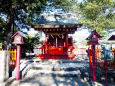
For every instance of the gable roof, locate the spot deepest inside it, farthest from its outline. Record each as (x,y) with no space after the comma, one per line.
(94,33)
(112,37)
(20,33)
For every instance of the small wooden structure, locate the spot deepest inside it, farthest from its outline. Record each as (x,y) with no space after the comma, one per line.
(93,41)
(94,38)
(57,43)
(18,40)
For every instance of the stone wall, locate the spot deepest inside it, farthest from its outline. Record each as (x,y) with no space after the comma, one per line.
(4,65)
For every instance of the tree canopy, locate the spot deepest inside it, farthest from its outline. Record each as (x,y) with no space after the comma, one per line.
(98,14)
(19,11)
(22,13)
(94,14)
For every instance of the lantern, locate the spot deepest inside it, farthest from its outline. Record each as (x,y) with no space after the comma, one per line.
(94,38)
(18,39)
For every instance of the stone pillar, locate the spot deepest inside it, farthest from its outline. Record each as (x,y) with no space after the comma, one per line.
(4,66)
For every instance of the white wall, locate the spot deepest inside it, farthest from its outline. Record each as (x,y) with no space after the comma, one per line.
(4,65)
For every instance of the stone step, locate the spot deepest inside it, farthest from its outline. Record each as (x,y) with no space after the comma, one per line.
(57,61)
(50,70)
(33,72)
(54,67)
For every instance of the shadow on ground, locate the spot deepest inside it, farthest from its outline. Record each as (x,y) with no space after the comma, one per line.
(53,81)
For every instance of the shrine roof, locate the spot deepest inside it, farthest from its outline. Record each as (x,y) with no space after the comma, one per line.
(20,33)
(57,21)
(112,37)
(57,26)
(92,33)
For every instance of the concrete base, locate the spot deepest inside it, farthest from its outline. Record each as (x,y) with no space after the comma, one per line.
(2,84)
(7,82)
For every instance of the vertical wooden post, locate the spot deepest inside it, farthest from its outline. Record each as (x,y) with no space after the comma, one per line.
(46,47)
(101,65)
(15,57)
(56,43)
(106,73)
(42,47)
(18,62)
(12,53)
(89,50)
(94,65)
(66,43)
(72,49)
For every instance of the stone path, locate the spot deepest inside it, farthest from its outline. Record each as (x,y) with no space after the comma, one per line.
(36,72)
(50,81)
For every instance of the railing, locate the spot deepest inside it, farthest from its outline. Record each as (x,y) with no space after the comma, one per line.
(12,56)
(45,49)
(81,52)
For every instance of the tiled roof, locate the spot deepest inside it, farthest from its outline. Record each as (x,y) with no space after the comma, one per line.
(58,19)
(112,37)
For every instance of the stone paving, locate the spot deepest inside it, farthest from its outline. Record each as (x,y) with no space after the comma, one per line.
(36,72)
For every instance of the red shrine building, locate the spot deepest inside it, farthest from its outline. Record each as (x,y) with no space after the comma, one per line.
(57,27)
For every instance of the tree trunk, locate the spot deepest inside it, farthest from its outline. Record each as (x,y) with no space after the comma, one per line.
(7,33)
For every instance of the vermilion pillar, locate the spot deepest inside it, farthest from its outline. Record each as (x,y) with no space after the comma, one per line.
(66,43)
(94,64)
(42,47)
(18,62)
(46,47)
(106,73)
(89,51)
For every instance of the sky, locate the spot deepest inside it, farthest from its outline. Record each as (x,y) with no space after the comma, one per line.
(81,35)
(78,36)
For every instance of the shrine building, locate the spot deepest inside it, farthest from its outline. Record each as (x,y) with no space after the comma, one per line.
(57,27)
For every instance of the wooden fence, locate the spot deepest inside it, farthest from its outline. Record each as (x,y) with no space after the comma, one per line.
(12,56)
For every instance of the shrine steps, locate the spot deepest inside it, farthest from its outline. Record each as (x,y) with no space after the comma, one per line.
(50,67)
(60,56)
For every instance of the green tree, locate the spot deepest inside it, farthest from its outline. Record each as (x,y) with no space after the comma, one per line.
(30,42)
(65,5)
(2,25)
(22,11)
(25,12)
(97,15)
